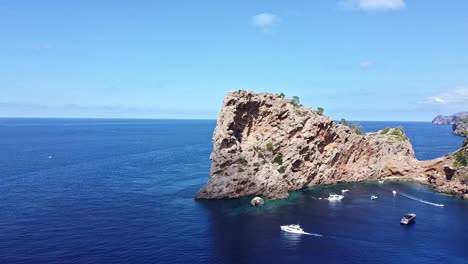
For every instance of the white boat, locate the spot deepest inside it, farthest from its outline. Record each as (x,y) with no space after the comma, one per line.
(394,192)
(345,190)
(373,197)
(407,219)
(296,229)
(381,181)
(334,197)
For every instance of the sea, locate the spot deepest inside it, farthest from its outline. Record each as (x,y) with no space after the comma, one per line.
(122,191)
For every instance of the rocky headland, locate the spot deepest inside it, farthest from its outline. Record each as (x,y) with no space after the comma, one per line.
(449,120)
(267,145)
(458,121)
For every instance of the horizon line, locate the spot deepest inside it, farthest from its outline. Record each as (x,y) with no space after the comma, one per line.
(179,118)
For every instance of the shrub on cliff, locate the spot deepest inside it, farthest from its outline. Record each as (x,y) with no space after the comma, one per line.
(357,128)
(320,110)
(242,161)
(385,131)
(344,122)
(269,146)
(354,126)
(281,169)
(278,159)
(461,158)
(296,101)
(399,132)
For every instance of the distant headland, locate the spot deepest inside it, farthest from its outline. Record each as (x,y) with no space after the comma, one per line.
(459,122)
(265,144)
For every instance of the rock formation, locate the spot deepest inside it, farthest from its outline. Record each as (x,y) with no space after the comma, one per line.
(449,120)
(267,145)
(257,201)
(460,128)
(458,121)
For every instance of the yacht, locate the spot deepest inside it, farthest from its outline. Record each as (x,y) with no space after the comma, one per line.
(334,197)
(408,219)
(293,229)
(373,197)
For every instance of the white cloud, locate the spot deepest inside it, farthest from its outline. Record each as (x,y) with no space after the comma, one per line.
(457,96)
(370,5)
(437,100)
(265,21)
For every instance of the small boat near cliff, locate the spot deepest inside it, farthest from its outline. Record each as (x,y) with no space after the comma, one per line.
(296,229)
(408,219)
(373,197)
(334,197)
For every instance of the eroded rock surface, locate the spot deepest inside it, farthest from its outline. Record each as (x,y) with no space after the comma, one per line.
(263,144)
(460,128)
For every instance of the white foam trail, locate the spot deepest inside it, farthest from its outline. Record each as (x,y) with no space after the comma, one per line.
(312,234)
(421,200)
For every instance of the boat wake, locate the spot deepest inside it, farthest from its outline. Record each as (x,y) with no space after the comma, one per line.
(420,200)
(313,234)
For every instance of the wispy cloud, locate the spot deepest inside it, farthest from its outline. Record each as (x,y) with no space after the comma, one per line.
(372,5)
(455,97)
(265,21)
(366,64)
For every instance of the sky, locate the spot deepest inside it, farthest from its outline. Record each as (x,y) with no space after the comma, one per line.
(402,60)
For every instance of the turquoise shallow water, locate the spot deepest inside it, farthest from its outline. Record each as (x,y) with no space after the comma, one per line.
(121,191)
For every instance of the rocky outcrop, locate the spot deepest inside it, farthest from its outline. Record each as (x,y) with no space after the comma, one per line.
(448,174)
(257,201)
(460,128)
(449,120)
(267,145)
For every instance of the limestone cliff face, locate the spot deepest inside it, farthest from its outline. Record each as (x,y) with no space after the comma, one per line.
(448,174)
(265,145)
(460,128)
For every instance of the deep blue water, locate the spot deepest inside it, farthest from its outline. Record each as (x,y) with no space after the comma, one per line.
(121,191)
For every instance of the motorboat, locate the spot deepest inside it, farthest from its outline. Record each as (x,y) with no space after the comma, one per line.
(408,219)
(394,192)
(381,181)
(334,197)
(373,197)
(296,229)
(345,190)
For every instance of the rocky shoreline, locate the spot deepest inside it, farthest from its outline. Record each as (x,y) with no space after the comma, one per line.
(267,145)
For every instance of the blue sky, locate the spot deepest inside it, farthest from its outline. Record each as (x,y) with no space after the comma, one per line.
(359,59)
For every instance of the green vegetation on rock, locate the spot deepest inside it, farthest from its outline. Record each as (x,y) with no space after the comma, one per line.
(354,126)
(461,158)
(320,110)
(296,101)
(385,131)
(344,122)
(278,159)
(399,133)
(281,169)
(242,161)
(269,146)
